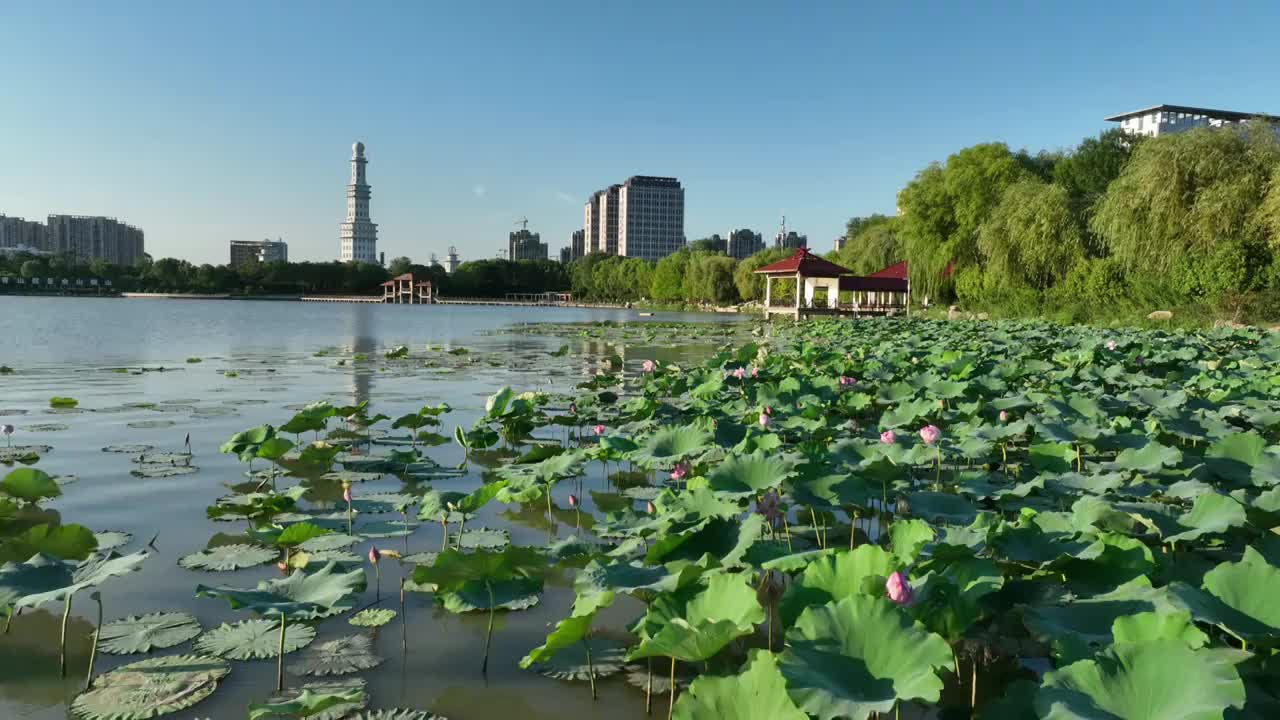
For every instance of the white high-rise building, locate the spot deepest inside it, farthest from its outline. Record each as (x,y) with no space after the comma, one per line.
(359,236)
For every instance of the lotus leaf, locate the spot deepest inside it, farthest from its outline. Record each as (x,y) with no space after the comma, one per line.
(150,688)
(372,617)
(319,700)
(144,633)
(306,596)
(254,639)
(228,557)
(860,571)
(29,484)
(758,693)
(342,656)
(752,473)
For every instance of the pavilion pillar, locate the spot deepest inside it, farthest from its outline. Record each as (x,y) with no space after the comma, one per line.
(799,288)
(768,293)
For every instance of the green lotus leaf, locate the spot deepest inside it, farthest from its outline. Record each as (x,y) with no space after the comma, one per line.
(942,508)
(1210,514)
(567,632)
(1076,629)
(512,594)
(1052,457)
(1249,586)
(328,699)
(698,622)
(859,656)
(29,484)
(144,633)
(150,688)
(129,449)
(43,579)
(394,714)
(298,533)
(228,557)
(860,571)
(383,502)
(1150,458)
(752,473)
(908,538)
(693,506)
(328,542)
(1234,457)
(253,639)
(1160,678)
(608,658)
(342,656)
(302,595)
(669,446)
(372,617)
(163,471)
(719,542)
(630,578)
(483,539)
(163,458)
(436,506)
(453,568)
(757,693)
(1148,626)
(63,402)
(66,542)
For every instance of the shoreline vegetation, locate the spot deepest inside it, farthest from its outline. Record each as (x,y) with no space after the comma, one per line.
(1108,232)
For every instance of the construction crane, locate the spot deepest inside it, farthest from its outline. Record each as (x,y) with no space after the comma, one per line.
(523,223)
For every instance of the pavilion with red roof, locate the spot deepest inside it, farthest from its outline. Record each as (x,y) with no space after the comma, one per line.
(820,283)
(403,289)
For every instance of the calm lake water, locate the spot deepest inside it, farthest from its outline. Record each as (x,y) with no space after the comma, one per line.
(284,355)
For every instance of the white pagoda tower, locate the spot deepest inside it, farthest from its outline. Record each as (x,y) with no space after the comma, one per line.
(359,236)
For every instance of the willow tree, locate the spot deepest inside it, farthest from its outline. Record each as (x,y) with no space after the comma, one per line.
(1181,196)
(750,285)
(873,247)
(1032,238)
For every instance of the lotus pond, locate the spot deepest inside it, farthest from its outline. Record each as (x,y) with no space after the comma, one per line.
(886,518)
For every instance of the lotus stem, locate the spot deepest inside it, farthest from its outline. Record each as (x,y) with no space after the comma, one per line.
(814,517)
(405,513)
(973,689)
(786,528)
(404,622)
(377,584)
(648,688)
(280,660)
(488,636)
(671,705)
(93,651)
(9,622)
(349,514)
(62,654)
(591,668)
(444,544)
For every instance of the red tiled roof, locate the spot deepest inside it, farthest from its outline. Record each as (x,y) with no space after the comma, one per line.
(874,283)
(806,264)
(899,271)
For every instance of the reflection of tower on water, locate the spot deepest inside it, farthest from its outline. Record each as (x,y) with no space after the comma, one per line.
(362,342)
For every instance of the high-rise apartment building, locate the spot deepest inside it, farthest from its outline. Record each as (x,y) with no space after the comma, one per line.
(591,223)
(358,235)
(791,240)
(577,244)
(525,245)
(651,217)
(257,252)
(94,238)
(744,243)
(566,255)
(16,232)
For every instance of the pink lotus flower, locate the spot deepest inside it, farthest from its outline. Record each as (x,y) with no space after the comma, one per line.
(346,492)
(930,434)
(740,373)
(1111,344)
(648,366)
(765,420)
(899,589)
(282,566)
(599,429)
(573,500)
(374,555)
(846,381)
(680,471)
(649,508)
(888,437)
(755,371)
(1004,416)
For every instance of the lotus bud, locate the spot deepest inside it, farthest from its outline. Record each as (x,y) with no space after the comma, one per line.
(930,434)
(888,437)
(599,429)
(846,381)
(282,566)
(374,555)
(899,589)
(765,420)
(346,492)
(648,366)
(1004,416)
(1111,344)
(755,371)
(649,508)
(573,500)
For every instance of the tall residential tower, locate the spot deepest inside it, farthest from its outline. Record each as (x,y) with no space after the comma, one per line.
(643,217)
(359,236)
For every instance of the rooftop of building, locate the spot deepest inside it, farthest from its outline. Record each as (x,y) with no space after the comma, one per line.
(652,181)
(1209,112)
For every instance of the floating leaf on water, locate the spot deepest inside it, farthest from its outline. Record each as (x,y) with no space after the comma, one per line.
(422,558)
(342,656)
(112,539)
(163,471)
(228,557)
(29,484)
(23,453)
(163,458)
(144,633)
(310,596)
(63,402)
(386,529)
(254,639)
(395,714)
(483,539)
(372,617)
(383,502)
(332,699)
(129,449)
(150,688)
(351,476)
(46,427)
(570,663)
(332,541)
(148,424)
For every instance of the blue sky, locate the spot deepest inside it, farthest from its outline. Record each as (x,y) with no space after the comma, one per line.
(206,122)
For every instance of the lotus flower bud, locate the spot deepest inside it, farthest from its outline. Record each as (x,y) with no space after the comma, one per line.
(599,429)
(374,555)
(888,437)
(573,408)
(573,500)
(899,589)
(1111,344)
(346,492)
(649,508)
(765,420)
(1004,416)
(740,373)
(648,366)
(930,434)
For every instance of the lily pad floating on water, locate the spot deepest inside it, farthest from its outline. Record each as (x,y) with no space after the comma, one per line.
(332,541)
(395,714)
(163,458)
(351,476)
(228,557)
(163,471)
(322,700)
(483,539)
(148,424)
(144,633)
(112,539)
(372,617)
(23,453)
(570,662)
(254,639)
(150,688)
(63,402)
(129,449)
(47,427)
(342,656)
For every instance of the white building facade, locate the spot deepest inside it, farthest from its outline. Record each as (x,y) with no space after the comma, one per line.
(1163,119)
(358,235)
